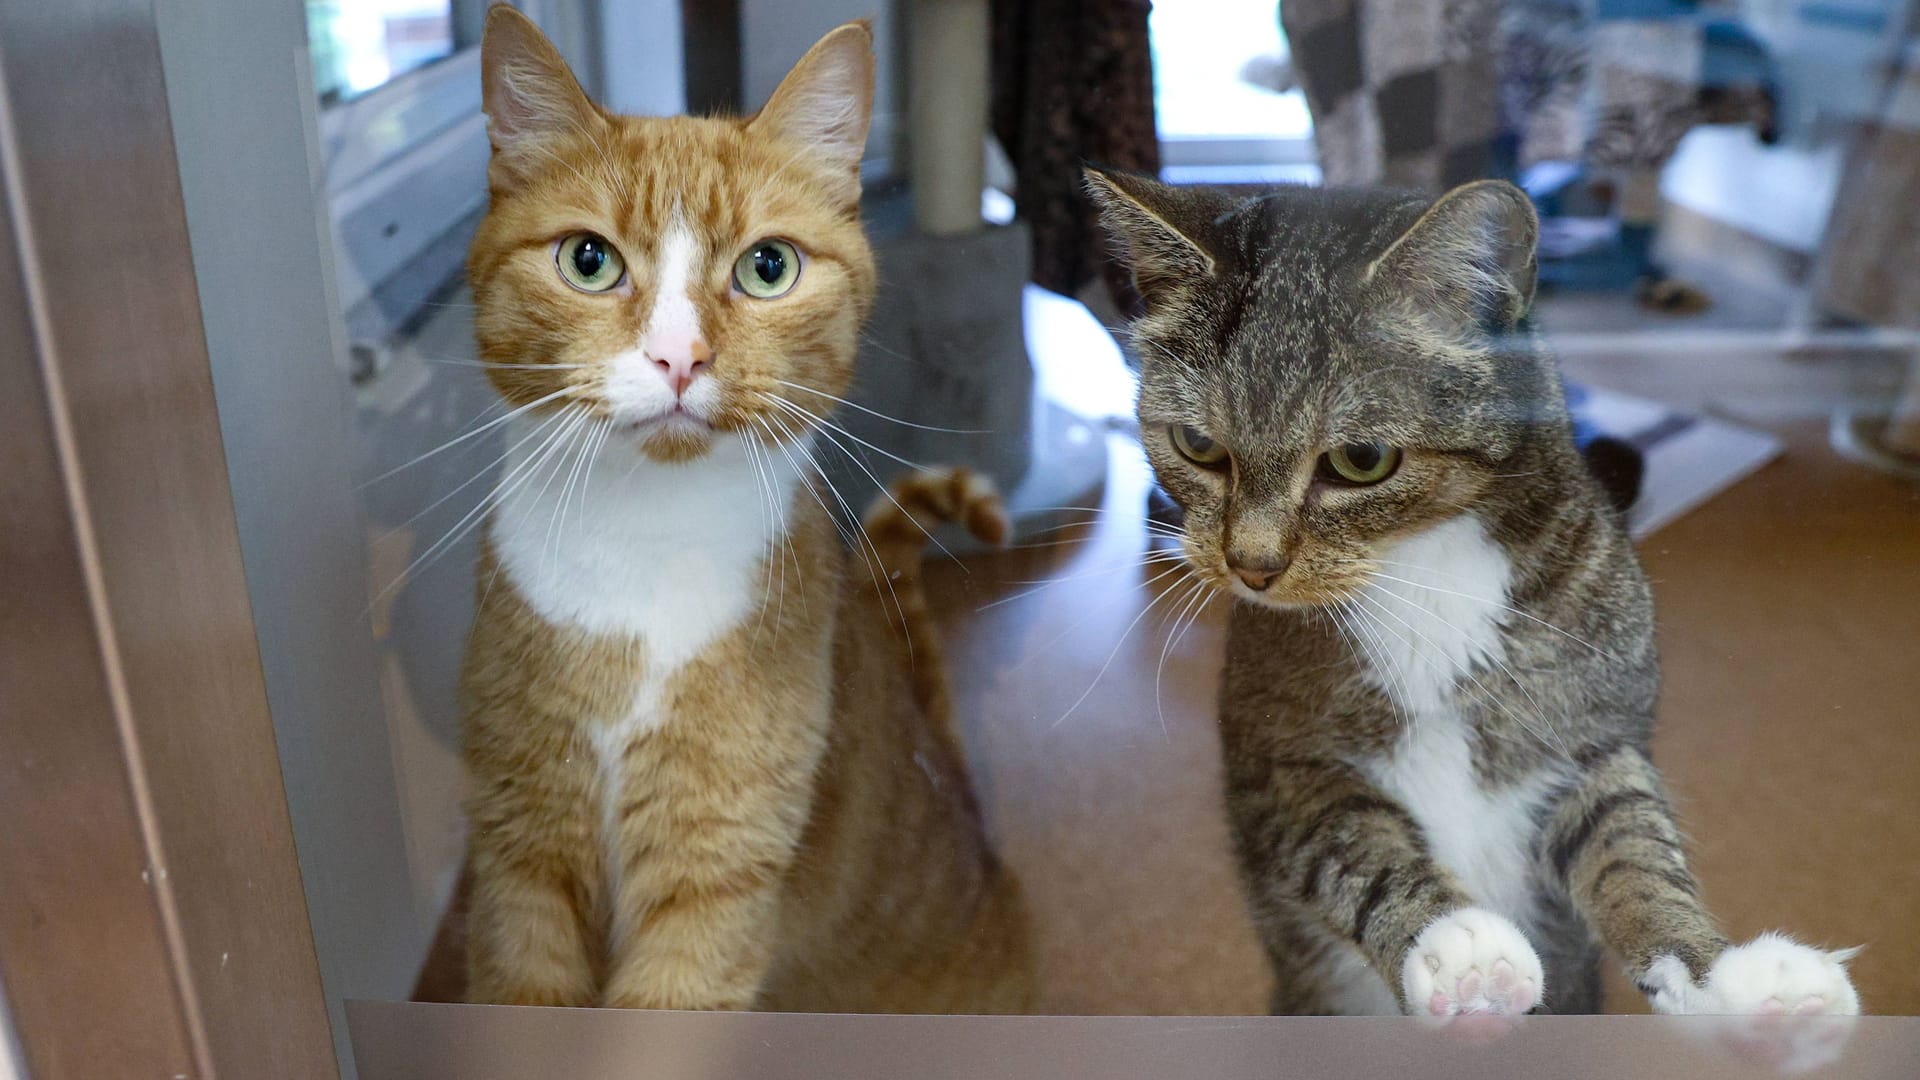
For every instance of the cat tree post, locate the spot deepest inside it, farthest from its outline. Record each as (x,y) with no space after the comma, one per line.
(946,347)
(948,114)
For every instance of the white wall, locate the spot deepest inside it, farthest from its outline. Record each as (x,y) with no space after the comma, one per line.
(643,65)
(1782,193)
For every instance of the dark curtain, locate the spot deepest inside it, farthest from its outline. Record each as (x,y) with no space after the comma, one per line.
(1072,85)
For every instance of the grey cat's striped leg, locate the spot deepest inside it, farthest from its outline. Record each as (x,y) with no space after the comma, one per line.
(1570,954)
(1314,834)
(1614,844)
(1316,973)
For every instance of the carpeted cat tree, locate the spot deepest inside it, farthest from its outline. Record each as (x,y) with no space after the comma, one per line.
(945,354)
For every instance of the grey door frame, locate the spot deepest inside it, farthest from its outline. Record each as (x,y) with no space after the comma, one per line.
(152,920)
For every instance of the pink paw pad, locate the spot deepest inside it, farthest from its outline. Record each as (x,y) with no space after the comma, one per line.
(1472,962)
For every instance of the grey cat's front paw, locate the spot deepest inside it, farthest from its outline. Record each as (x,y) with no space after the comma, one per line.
(1770,975)
(1471,961)
(1775,1001)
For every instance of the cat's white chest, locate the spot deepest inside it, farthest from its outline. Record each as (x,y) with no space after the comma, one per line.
(1485,837)
(599,538)
(1435,611)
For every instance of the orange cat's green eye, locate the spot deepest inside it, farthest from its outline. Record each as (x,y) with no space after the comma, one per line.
(590,264)
(1360,463)
(1197,446)
(768,269)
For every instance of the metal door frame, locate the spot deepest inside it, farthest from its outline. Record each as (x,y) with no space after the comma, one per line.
(152,921)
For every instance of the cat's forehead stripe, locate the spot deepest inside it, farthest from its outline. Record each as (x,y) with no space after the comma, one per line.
(673,320)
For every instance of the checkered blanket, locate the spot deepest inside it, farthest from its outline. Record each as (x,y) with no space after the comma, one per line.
(1432,93)
(1403,92)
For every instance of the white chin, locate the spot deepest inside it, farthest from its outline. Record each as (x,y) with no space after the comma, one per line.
(672,424)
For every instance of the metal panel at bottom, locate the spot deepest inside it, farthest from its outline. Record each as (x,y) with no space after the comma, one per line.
(396,1041)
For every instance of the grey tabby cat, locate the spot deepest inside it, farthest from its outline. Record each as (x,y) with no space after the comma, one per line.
(1440,676)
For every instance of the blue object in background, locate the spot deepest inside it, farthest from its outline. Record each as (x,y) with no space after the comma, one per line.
(1583,430)
(1731,56)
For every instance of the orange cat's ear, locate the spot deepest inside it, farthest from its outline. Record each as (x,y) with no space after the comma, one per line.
(826,102)
(529,94)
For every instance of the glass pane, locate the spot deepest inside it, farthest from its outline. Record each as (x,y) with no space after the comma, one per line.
(1222,68)
(358,45)
(1348,514)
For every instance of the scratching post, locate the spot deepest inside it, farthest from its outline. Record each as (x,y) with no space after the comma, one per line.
(946,347)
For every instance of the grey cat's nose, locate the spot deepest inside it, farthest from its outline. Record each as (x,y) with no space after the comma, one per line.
(1258,575)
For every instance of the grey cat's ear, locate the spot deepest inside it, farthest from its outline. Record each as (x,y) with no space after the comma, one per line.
(1471,255)
(527,91)
(825,103)
(1160,231)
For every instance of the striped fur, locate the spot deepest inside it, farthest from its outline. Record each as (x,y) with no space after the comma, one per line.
(899,525)
(1436,719)
(704,773)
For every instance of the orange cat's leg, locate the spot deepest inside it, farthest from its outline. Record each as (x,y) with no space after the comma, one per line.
(699,954)
(527,944)
(704,942)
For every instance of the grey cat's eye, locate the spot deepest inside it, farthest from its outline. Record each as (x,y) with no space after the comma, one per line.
(768,269)
(1359,463)
(1196,446)
(589,263)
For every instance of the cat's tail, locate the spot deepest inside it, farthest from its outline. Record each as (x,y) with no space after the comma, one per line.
(901,523)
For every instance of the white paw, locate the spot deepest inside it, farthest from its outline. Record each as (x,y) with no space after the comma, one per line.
(1772,975)
(1471,961)
(1773,1001)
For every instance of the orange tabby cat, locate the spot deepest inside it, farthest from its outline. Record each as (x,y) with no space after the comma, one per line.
(706,773)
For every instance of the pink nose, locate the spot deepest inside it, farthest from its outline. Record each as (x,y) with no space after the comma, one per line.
(681,367)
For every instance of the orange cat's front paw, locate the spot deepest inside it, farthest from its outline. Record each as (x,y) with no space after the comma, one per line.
(690,990)
(491,992)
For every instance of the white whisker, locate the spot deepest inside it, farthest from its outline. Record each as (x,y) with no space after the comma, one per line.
(1042,585)
(1393,680)
(881,415)
(452,536)
(550,549)
(547,452)
(884,489)
(454,362)
(476,432)
(1469,596)
(831,426)
(483,472)
(1196,592)
(869,553)
(1124,634)
(1491,697)
(1501,664)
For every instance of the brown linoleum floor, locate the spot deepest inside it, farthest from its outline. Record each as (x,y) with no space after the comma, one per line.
(1789,615)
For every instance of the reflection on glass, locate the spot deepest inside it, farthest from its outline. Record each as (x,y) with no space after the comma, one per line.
(1701,384)
(358,45)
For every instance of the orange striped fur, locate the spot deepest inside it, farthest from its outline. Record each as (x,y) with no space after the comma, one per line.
(757,806)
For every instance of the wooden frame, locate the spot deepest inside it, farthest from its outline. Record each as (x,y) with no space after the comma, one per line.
(152,921)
